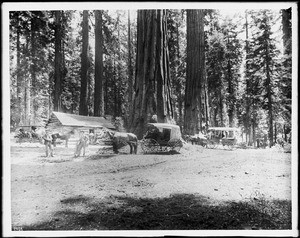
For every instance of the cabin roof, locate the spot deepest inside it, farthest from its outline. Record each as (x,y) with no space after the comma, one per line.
(73,120)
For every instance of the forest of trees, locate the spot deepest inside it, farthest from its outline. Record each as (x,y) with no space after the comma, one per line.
(195,68)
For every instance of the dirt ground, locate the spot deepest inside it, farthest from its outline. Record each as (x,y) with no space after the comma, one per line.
(147,191)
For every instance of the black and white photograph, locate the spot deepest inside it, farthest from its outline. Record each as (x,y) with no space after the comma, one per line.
(149,119)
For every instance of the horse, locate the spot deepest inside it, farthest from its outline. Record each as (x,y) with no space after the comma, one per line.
(37,133)
(121,139)
(65,137)
(198,139)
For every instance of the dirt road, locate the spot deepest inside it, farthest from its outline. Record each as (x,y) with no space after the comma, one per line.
(62,192)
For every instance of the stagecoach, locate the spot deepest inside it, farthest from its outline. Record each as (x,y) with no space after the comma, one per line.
(226,136)
(161,137)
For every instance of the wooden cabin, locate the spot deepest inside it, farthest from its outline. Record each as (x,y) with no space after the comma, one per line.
(64,122)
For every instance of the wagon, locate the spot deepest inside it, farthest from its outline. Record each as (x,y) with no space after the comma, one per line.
(226,136)
(161,137)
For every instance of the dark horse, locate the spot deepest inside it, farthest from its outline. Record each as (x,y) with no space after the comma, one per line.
(121,139)
(65,137)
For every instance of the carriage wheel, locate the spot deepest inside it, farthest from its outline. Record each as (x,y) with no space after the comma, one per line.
(162,148)
(144,146)
(176,146)
(149,145)
(211,144)
(154,146)
(231,146)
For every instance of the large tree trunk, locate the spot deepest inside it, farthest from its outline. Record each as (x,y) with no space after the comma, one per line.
(152,92)
(195,70)
(58,63)
(287,63)
(287,30)
(99,94)
(162,74)
(83,105)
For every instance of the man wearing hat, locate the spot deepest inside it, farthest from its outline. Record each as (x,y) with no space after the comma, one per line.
(48,143)
(81,144)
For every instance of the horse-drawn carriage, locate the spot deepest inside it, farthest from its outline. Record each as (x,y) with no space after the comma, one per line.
(226,136)
(161,137)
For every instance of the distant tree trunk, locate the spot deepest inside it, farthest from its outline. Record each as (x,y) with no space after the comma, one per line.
(83,105)
(231,107)
(254,131)
(180,97)
(130,71)
(248,87)
(269,97)
(206,103)
(99,94)
(221,105)
(195,70)
(19,80)
(27,89)
(58,62)
(33,68)
(114,86)
(119,101)
(152,95)
(27,100)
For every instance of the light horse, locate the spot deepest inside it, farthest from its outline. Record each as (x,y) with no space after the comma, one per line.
(121,139)
(65,137)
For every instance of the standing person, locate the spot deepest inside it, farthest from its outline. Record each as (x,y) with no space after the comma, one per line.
(81,144)
(48,144)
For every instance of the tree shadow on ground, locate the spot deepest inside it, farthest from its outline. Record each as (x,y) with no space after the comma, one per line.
(177,212)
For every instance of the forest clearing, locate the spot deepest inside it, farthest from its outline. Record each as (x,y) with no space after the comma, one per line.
(202,96)
(196,189)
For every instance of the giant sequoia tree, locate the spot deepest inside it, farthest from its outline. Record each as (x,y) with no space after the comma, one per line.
(195,72)
(99,94)
(152,92)
(58,61)
(286,82)
(83,105)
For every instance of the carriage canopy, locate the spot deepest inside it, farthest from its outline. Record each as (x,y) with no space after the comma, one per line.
(228,132)
(223,129)
(172,130)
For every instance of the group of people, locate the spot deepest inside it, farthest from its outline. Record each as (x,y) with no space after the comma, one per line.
(82,143)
